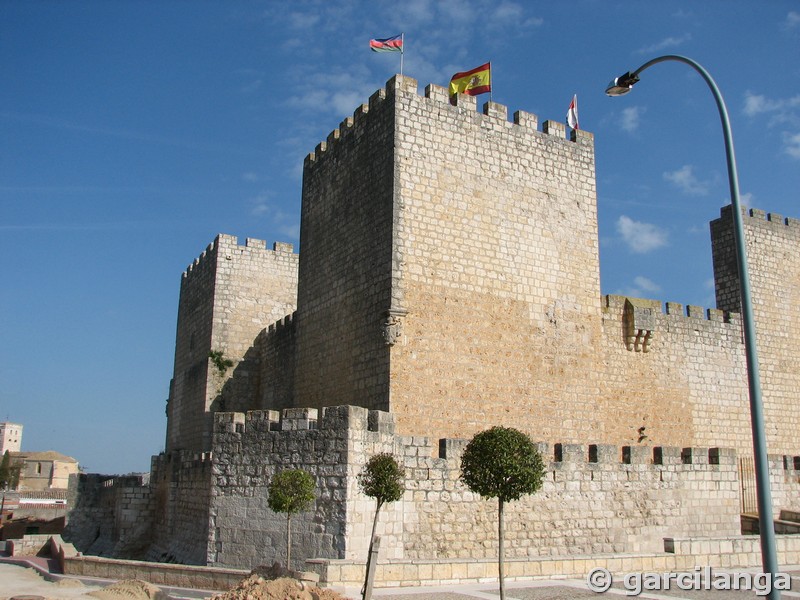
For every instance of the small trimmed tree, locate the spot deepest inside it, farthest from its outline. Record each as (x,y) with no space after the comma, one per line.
(5,471)
(382,479)
(502,463)
(291,492)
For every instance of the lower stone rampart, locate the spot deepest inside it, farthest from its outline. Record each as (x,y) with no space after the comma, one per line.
(180,488)
(112,516)
(595,498)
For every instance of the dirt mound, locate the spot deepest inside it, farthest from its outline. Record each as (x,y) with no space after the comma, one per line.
(256,587)
(129,589)
(70,583)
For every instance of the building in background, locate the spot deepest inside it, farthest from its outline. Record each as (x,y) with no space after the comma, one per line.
(10,437)
(44,470)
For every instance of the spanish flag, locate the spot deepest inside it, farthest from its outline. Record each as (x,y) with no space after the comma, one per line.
(474,82)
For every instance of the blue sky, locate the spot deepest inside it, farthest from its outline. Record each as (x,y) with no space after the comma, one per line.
(134,132)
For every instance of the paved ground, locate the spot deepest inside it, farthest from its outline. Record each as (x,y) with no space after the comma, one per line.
(20,581)
(566,589)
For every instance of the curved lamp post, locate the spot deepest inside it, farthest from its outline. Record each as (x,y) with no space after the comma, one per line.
(622,85)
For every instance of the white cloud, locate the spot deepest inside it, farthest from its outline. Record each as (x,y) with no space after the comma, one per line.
(456,11)
(250,177)
(260,206)
(303,20)
(339,92)
(418,11)
(791,144)
(670,42)
(757,104)
(266,211)
(792,20)
(511,14)
(784,112)
(685,179)
(641,287)
(646,284)
(641,237)
(630,118)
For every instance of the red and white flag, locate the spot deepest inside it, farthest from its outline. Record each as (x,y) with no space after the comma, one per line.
(572,113)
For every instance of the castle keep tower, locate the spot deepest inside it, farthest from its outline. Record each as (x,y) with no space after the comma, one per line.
(449,264)
(228,296)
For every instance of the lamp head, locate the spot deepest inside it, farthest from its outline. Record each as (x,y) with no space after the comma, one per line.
(621,85)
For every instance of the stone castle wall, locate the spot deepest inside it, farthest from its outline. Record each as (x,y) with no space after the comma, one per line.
(180,487)
(228,296)
(495,314)
(450,274)
(595,499)
(345,276)
(498,270)
(277,348)
(672,374)
(111,516)
(773,246)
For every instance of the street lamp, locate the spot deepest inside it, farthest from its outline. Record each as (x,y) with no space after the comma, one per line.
(622,85)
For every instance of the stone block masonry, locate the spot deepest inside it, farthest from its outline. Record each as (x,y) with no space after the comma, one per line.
(773,247)
(228,296)
(595,498)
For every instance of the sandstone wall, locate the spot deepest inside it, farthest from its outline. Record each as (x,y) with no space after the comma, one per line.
(773,247)
(277,350)
(682,382)
(498,270)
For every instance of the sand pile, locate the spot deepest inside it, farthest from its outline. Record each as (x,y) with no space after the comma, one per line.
(257,587)
(129,589)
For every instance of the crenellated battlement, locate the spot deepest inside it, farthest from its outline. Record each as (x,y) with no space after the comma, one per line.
(761,217)
(440,94)
(332,418)
(343,420)
(283,324)
(196,462)
(227,245)
(613,302)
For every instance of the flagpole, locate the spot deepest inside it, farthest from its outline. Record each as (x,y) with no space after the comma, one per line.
(490,81)
(402,50)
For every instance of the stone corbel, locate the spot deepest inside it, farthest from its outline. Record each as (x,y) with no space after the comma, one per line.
(392,326)
(640,323)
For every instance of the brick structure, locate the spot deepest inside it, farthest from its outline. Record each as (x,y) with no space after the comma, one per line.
(449,281)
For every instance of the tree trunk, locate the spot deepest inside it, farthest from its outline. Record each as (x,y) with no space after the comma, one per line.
(288,540)
(371,542)
(501,538)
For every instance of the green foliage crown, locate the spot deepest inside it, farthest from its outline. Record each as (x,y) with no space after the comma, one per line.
(503,463)
(382,479)
(291,491)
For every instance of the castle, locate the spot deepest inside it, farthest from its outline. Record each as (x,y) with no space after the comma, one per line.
(449,281)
